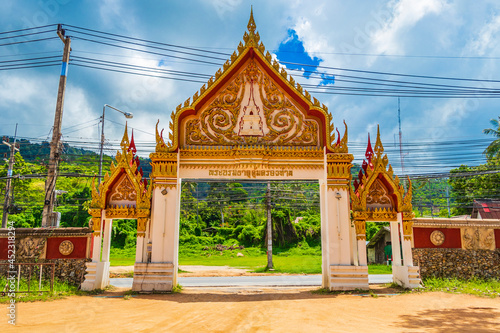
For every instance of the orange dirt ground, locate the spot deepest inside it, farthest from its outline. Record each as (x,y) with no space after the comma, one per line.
(259,310)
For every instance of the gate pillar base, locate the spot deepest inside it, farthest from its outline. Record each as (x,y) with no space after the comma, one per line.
(97,276)
(406,276)
(149,277)
(348,277)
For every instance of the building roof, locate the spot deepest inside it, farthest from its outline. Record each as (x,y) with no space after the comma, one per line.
(486,209)
(379,235)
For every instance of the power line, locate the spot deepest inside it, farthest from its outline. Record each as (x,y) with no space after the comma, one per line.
(29,41)
(28,29)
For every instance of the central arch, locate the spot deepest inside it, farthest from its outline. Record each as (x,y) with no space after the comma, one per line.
(253,121)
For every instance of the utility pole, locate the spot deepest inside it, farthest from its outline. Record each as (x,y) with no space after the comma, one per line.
(197,206)
(8,187)
(269,229)
(448,199)
(55,144)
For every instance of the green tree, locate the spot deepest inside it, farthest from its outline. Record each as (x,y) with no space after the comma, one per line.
(493,150)
(469,183)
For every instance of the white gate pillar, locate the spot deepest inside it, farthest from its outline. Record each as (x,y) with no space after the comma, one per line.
(139,250)
(106,246)
(395,244)
(406,242)
(325,248)
(360,226)
(161,273)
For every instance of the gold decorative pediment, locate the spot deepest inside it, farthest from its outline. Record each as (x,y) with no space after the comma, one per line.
(123,192)
(251,100)
(252,110)
(377,190)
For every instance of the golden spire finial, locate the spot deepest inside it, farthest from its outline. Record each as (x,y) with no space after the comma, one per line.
(251,23)
(379,149)
(251,37)
(125,143)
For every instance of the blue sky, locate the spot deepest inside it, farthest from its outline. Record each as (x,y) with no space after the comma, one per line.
(428,37)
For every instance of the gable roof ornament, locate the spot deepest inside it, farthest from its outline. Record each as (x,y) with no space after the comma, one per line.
(252,48)
(126,163)
(378,169)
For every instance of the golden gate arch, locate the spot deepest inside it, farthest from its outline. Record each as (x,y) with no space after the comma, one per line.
(251,120)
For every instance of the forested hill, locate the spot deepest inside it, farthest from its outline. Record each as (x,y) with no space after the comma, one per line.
(38,153)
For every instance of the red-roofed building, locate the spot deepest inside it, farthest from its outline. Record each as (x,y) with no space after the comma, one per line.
(486,209)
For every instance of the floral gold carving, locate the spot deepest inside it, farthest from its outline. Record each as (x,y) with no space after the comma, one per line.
(360,226)
(378,196)
(276,119)
(124,191)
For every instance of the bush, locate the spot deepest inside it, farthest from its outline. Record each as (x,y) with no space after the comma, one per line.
(197,231)
(249,235)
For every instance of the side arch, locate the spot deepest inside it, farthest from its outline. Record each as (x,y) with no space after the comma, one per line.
(123,193)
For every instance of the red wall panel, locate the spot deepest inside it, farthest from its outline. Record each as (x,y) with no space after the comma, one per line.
(452,238)
(3,248)
(79,251)
(497,238)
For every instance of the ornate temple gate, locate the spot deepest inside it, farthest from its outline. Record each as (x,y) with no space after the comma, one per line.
(250,121)
(123,194)
(378,196)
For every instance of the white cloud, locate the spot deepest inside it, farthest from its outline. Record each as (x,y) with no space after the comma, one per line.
(114,14)
(406,14)
(486,39)
(225,6)
(29,101)
(313,40)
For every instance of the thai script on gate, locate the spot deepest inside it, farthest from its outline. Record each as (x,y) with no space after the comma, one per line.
(251,173)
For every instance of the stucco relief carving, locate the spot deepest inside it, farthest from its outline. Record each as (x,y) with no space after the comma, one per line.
(478,239)
(30,247)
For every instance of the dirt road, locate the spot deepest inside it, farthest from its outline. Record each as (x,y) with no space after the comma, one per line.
(259,310)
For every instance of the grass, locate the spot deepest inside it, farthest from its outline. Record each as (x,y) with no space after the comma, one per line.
(61,290)
(292,261)
(379,269)
(122,257)
(478,287)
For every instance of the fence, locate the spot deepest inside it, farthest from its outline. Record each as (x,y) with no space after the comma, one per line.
(28,272)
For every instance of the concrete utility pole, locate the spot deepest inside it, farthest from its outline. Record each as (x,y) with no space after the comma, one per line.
(8,187)
(55,144)
(269,229)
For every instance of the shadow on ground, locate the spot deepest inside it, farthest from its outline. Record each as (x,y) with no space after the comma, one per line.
(241,294)
(472,319)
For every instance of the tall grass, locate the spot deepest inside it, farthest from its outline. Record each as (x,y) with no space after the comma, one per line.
(475,286)
(60,289)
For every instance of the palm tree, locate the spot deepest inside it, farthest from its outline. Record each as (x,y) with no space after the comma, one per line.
(493,150)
